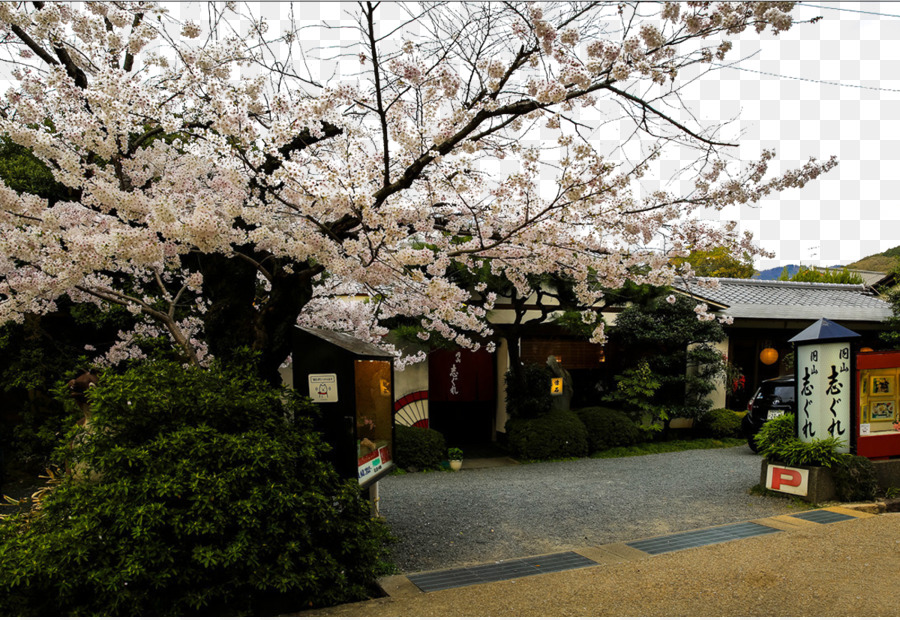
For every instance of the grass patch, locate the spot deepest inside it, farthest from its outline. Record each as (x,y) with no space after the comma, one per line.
(675,445)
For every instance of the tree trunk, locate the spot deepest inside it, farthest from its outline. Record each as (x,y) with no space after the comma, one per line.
(241,315)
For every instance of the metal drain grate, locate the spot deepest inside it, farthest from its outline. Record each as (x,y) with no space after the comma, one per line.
(688,540)
(822,516)
(500,571)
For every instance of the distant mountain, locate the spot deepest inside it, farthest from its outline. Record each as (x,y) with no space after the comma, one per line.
(775,272)
(884,262)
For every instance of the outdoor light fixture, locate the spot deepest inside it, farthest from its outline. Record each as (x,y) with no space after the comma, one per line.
(768,356)
(866,350)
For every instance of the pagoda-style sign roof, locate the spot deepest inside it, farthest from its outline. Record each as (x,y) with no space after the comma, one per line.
(347,342)
(776,299)
(823,329)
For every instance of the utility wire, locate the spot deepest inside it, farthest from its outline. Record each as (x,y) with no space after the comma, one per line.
(791,77)
(838,8)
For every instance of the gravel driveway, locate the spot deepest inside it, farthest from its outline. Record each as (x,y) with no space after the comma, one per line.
(446,519)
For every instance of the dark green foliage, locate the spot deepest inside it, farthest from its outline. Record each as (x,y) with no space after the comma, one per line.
(675,345)
(554,435)
(527,391)
(777,442)
(719,424)
(635,389)
(608,428)
(854,478)
(198,493)
(417,448)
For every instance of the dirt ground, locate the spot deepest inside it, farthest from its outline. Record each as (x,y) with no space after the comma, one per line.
(836,569)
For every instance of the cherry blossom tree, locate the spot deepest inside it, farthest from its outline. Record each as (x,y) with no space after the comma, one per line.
(223,182)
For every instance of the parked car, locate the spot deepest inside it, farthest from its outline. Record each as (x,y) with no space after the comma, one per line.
(773,398)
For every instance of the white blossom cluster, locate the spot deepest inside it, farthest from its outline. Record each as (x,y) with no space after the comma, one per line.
(180,143)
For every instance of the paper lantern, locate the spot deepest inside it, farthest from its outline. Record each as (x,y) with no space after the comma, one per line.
(768,356)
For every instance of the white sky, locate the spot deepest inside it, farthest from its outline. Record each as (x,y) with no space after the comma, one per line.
(852,211)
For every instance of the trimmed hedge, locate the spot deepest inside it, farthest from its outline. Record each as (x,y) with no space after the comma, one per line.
(608,428)
(559,434)
(418,448)
(719,424)
(528,391)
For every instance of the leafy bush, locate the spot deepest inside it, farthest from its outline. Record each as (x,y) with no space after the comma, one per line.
(776,442)
(635,388)
(528,391)
(199,493)
(854,478)
(554,435)
(608,428)
(720,423)
(418,448)
(774,433)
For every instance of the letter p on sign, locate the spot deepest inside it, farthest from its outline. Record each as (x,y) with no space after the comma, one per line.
(787,480)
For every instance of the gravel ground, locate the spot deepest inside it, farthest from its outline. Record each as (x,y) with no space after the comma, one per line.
(446,519)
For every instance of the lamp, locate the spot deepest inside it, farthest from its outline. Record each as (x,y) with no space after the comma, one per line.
(866,350)
(768,356)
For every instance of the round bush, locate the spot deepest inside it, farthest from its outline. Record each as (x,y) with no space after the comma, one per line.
(608,428)
(719,424)
(417,448)
(554,435)
(199,493)
(854,478)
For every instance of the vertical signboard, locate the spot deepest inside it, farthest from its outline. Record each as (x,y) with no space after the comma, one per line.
(823,386)
(825,383)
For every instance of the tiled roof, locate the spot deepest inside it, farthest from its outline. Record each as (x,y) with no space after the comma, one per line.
(774,299)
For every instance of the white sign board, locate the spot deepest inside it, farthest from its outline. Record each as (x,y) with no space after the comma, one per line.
(823,391)
(787,479)
(323,388)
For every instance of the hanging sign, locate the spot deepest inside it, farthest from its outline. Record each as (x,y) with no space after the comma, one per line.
(823,392)
(556,385)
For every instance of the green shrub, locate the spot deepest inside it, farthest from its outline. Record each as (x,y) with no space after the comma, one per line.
(554,435)
(854,478)
(776,442)
(528,391)
(418,448)
(199,493)
(719,424)
(774,433)
(608,428)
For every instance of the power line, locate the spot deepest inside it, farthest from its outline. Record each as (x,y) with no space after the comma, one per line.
(791,77)
(838,8)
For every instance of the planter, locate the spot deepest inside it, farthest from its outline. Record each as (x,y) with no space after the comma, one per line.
(812,484)
(455,465)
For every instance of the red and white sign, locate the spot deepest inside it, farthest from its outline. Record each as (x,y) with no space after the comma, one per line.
(373,463)
(787,479)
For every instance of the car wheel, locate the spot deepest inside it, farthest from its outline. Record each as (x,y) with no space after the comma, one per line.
(751,441)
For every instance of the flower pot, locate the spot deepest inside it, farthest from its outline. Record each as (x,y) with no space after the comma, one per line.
(455,465)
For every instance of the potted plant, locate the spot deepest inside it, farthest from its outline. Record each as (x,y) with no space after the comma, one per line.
(455,455)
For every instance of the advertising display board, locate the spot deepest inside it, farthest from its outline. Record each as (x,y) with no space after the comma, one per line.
(823,391)
(879,404)
(352,383)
